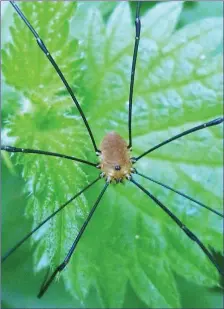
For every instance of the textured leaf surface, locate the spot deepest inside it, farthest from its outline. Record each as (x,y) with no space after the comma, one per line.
(130,241)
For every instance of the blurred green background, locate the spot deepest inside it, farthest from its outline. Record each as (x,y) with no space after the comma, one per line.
(19,283)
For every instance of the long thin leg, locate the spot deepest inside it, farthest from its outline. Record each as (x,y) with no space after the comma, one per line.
(48,281)
(180,193)
(135,54)
(191,235)
(46,153)
(46,220)
(51,59)
(201,126)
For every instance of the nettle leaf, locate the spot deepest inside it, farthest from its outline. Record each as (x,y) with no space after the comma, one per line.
(178,85)
(37,78)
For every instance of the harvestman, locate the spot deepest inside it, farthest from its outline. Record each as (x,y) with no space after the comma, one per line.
(116,163)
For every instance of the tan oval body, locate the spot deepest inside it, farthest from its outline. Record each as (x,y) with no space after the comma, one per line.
(114,152)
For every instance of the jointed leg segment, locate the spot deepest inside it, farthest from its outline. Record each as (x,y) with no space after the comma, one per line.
(46,220)
(194,129)
(135,54)
(47,282)
(46,153)
(180,193)
(191,235)
(51,59)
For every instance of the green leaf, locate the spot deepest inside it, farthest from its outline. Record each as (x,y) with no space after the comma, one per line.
(19,283)
(129,241)
(158,24)
(79,18)
(37,79)
(206,298)
(200,9)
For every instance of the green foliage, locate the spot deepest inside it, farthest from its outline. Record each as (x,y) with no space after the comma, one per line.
(130,243)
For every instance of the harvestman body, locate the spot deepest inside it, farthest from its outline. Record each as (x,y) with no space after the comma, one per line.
(115,164)
(115,160)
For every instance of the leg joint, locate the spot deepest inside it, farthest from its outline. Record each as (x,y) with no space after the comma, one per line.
(189,233)
(63,265)
(138,27)
(42,46)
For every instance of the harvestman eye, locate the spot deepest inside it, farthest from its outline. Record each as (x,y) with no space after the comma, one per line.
(117,167)
(115,162)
